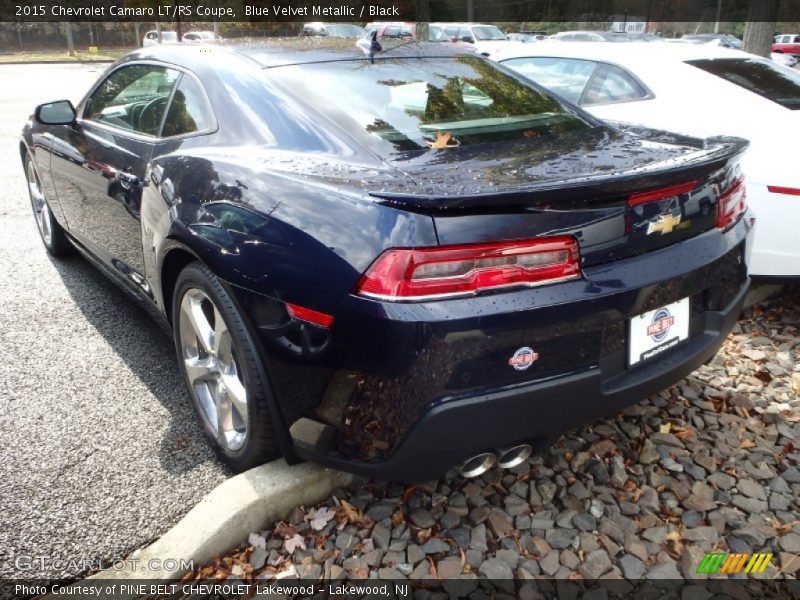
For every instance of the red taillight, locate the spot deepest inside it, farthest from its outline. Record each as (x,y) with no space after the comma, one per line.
(661,193)
(448,271)
(779,189)
(310,316)
(731,205)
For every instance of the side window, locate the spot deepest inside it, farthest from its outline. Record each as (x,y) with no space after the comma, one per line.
(465,35)
(133,98)
(189,111)
(391,32)
(564,76)
(612,84)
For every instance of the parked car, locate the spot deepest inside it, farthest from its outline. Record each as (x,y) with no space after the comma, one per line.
(787,43)
(486,39)
(196,37)
(332,30)
(723,39)
(403,30)
(695,90)
(167,37)
(604,36)
(386,263)
(787,60)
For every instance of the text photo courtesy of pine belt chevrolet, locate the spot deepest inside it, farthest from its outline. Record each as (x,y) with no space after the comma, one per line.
(396,258)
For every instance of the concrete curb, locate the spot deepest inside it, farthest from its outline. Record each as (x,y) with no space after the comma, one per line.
(760,292)
(247,502)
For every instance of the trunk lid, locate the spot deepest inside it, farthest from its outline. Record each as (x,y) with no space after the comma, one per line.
(619,194)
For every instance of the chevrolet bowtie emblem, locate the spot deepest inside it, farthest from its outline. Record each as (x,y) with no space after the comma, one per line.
(663,224)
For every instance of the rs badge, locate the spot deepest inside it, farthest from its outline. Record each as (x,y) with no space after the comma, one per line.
(523,358)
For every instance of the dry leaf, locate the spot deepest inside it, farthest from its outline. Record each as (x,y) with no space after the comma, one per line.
(293,543)
(747,444)
(322,516)
(285,530)
(665,428)
(351,512)
(423,535)
(397,517)
(444,139)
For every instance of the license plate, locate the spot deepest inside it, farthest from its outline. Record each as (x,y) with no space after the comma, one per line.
(656,331)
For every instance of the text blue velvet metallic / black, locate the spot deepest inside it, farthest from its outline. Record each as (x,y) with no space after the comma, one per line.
(288,198)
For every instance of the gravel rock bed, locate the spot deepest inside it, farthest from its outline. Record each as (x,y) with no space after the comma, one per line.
(708,465)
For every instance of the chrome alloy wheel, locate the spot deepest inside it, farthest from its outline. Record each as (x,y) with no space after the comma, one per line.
(209,359)
(39,203)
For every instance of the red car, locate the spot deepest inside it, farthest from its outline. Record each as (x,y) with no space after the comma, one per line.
(405,30)
(787,43)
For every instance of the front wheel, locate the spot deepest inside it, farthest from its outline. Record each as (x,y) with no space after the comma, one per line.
(53,235)
(220,370)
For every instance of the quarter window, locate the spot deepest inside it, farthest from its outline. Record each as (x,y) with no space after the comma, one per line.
(612,84)
(566,77)
(133,98)
(188,111)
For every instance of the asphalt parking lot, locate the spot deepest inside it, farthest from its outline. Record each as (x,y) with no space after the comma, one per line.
(101,450)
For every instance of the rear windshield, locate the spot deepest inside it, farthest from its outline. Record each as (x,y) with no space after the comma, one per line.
(762,77)
(418,104)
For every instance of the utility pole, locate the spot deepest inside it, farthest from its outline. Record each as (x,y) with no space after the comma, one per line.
(158,31)
(760,27)
(470,11)
(719,14)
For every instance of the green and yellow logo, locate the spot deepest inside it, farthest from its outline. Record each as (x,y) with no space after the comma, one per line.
(723,563)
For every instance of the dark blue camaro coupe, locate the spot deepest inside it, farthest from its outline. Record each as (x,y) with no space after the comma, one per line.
(392,260)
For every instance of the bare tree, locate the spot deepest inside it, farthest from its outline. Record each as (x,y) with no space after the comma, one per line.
(423,17)
(70,41)
(760,26)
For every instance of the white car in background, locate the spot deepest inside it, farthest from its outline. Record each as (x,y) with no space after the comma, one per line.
(196,37)
(700,91)
(488,40)
(167,37)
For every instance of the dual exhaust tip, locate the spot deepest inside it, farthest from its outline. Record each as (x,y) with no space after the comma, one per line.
(505,458)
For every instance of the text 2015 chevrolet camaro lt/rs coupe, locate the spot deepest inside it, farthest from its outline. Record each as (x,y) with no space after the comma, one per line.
(392,260)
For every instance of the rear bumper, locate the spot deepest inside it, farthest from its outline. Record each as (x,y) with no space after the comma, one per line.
(459,427)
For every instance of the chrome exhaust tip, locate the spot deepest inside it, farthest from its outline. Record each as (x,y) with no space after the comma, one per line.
(477,465)
(513,455)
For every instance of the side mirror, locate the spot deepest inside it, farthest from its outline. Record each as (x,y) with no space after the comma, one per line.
(60,112)
(467,39)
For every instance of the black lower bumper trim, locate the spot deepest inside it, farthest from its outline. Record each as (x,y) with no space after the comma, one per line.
(460,427)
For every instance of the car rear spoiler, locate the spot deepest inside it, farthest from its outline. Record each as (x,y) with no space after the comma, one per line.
(595,190)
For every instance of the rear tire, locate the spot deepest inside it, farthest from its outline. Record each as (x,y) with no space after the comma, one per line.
(53,236)
(220,370)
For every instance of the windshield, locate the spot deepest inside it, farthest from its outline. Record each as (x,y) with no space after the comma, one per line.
(437,34)
(343,31)
(487,32)
(762,77)
(419,104)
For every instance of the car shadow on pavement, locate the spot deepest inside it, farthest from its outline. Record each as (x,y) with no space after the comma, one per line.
(147,351)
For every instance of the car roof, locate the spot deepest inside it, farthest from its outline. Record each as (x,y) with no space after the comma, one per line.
(631,53)
(275,52)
